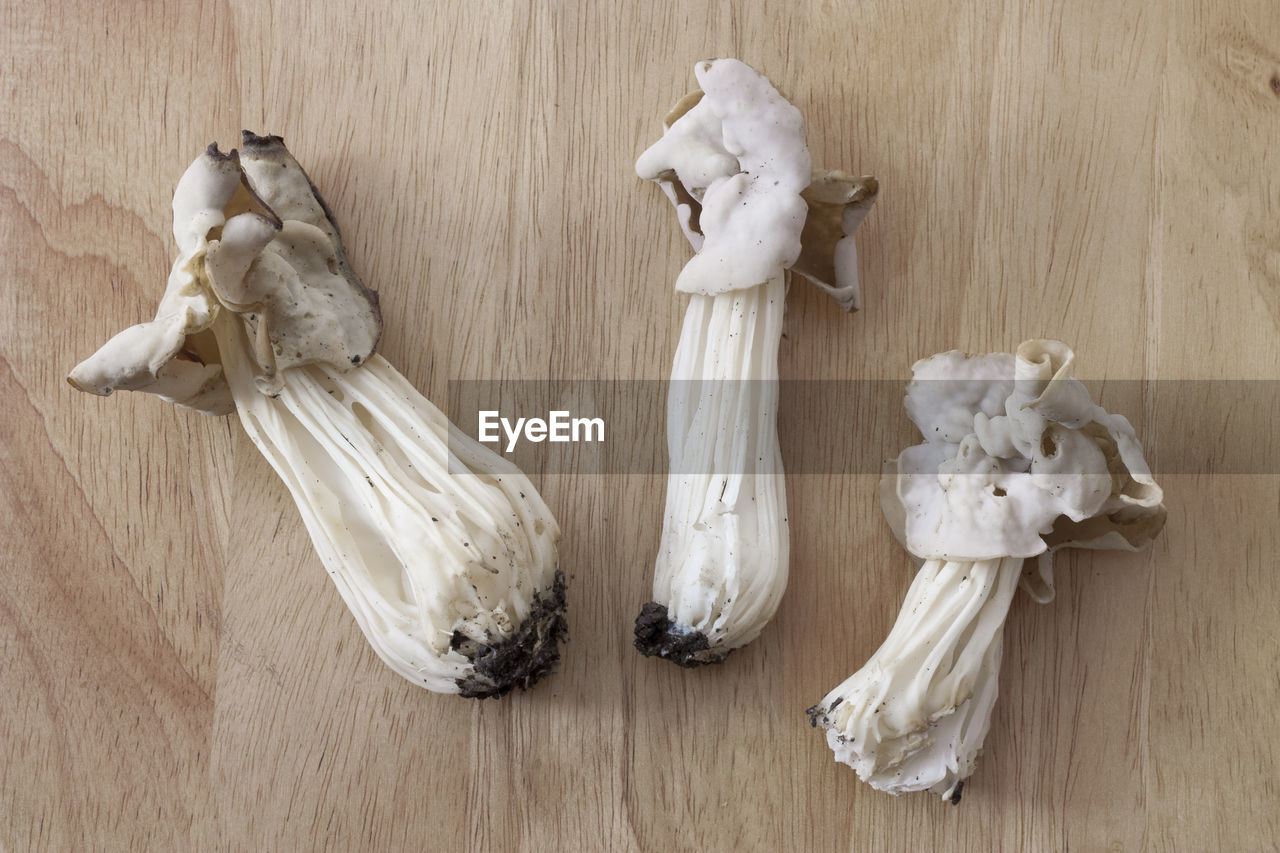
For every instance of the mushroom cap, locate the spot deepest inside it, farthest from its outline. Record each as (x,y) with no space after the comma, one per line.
(734,164)
(1017,461)
(254,237)
(739,152)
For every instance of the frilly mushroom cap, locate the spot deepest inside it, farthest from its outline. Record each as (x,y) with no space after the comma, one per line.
(740,152)
(254,237)
(734,163)
(1017,461)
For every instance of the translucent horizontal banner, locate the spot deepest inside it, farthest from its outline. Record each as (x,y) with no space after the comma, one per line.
(829,426)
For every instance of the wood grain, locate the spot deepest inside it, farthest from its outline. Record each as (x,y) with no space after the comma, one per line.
(176,670)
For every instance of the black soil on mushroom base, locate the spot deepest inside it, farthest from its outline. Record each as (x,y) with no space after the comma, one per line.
(658,636)
(523,658)
(818,716)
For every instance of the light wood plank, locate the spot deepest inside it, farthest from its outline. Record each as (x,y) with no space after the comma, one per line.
(177,669)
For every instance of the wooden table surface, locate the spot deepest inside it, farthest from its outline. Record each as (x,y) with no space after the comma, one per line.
(176,670)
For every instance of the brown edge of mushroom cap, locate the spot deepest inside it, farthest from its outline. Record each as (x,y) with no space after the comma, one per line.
(838,202)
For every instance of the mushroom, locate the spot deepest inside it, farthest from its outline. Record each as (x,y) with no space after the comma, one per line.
(1017,462)
(444,552)
(734,163)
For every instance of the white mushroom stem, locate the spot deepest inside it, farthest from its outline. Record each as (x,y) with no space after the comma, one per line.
(444,552)
(722,564)
(734,162)
(435,543)
(733,158)
(915,716)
